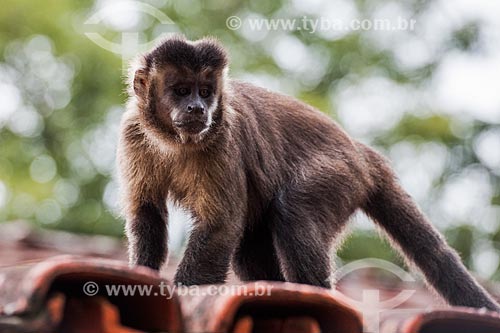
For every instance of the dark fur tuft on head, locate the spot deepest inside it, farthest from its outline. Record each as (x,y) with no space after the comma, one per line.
(179,52)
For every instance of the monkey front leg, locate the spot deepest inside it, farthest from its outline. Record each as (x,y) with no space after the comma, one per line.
(208,254)
(147,236)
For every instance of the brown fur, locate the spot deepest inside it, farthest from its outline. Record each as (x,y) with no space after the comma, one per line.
(270,184)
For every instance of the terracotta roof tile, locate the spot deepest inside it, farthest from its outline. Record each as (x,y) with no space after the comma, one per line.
(41,291)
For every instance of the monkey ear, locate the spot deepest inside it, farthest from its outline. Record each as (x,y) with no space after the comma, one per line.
(141,83)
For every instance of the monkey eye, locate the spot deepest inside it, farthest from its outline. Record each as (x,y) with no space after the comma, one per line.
(204,92)
(183,91)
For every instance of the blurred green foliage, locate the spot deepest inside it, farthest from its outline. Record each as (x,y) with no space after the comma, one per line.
(56,146)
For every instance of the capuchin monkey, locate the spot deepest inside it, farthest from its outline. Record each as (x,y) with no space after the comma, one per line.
(270,181)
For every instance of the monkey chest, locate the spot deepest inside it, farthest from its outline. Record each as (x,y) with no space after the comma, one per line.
(201,193)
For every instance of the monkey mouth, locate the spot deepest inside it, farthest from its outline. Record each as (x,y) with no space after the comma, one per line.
(191,126)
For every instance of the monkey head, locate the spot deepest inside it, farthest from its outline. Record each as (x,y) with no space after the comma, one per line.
(179,88)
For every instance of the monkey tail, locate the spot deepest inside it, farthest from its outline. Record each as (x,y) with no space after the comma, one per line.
(398,215)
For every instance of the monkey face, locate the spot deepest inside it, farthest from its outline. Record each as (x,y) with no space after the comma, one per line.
(189,99)
(179,87)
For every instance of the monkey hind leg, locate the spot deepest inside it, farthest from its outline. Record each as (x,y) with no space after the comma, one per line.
(302,235)
(255,257)
(394,210)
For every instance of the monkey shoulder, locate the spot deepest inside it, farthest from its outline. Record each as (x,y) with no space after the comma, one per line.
(276,110)
(139,159)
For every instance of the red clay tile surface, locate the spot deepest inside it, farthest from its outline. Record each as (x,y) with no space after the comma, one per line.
(40,290)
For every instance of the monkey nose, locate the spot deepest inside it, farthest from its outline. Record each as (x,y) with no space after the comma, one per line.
(196,108)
